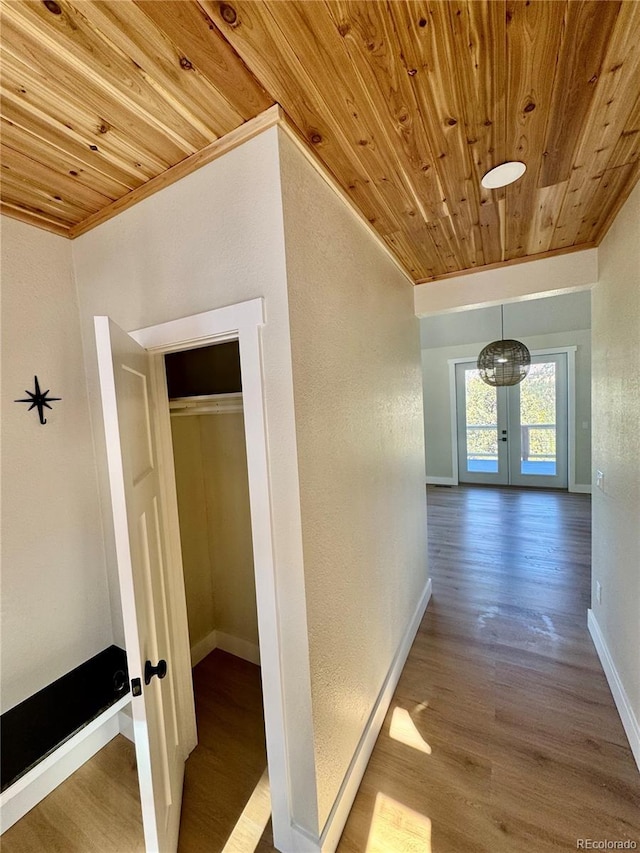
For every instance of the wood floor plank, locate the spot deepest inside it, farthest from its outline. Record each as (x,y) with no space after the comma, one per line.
(226,766)
(97,810)
(527,749)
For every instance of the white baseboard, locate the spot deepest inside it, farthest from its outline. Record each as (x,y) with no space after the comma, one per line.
(203,648)
(442,481)
(580,489)
(125,724)
(233,645)
(349,788)
(240,648)
(302,841)
(41,780)
(629,721)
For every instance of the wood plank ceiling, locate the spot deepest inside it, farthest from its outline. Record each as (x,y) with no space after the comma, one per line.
(407,104)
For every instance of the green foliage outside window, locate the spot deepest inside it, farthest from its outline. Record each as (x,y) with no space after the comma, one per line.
(537,407)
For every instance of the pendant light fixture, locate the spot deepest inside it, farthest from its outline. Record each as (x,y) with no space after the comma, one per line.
(504,362)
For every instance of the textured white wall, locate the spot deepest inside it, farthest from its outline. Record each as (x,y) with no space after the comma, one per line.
(616,444)
(527,280)
(358,401)
(55,604)
(216,238)
(566,313)
(215,525)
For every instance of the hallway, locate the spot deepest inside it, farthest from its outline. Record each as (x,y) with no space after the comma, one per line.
(526,752)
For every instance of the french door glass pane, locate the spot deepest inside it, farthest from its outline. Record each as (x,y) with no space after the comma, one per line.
(538,421)
(482,424)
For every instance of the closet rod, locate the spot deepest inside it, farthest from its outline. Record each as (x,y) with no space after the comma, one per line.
(208,404)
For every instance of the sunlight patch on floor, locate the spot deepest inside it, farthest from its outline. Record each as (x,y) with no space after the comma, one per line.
(395,828)
(251,824)
(404,730)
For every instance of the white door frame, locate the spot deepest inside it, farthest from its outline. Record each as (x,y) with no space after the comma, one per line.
(571,409)
(239,322)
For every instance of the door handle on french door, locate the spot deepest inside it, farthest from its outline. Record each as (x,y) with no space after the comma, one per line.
(149,670)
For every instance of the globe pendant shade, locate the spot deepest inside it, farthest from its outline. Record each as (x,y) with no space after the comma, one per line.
(504,362)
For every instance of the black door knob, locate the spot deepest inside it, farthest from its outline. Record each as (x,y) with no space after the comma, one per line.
(149,670)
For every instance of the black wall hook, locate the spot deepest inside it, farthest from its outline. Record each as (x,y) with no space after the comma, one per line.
(38,399)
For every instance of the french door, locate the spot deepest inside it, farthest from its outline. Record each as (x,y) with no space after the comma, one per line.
(515,435)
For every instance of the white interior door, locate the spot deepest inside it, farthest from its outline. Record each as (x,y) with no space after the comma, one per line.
(124,369)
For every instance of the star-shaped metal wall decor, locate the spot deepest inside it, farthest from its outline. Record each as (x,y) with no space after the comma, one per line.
(39,400)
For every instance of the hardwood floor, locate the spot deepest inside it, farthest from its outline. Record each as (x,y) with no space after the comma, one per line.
(226,766)
(502,736)
(527,752)
(96,810)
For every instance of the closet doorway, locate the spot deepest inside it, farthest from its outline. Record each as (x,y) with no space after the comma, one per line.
(227,770)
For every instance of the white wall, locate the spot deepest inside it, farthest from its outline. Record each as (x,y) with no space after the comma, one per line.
(215,238)
(574,271)
(358,402)
(557,321)
(566,313)
(194,538)
(231,554)
(616,448)
(215,525)
(55,604)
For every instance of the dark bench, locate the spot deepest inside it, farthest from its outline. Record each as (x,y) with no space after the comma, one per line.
(36,727)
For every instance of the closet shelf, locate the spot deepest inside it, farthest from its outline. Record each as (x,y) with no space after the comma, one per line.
(208,404)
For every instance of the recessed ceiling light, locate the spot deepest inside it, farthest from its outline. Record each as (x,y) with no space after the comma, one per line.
(505,173)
